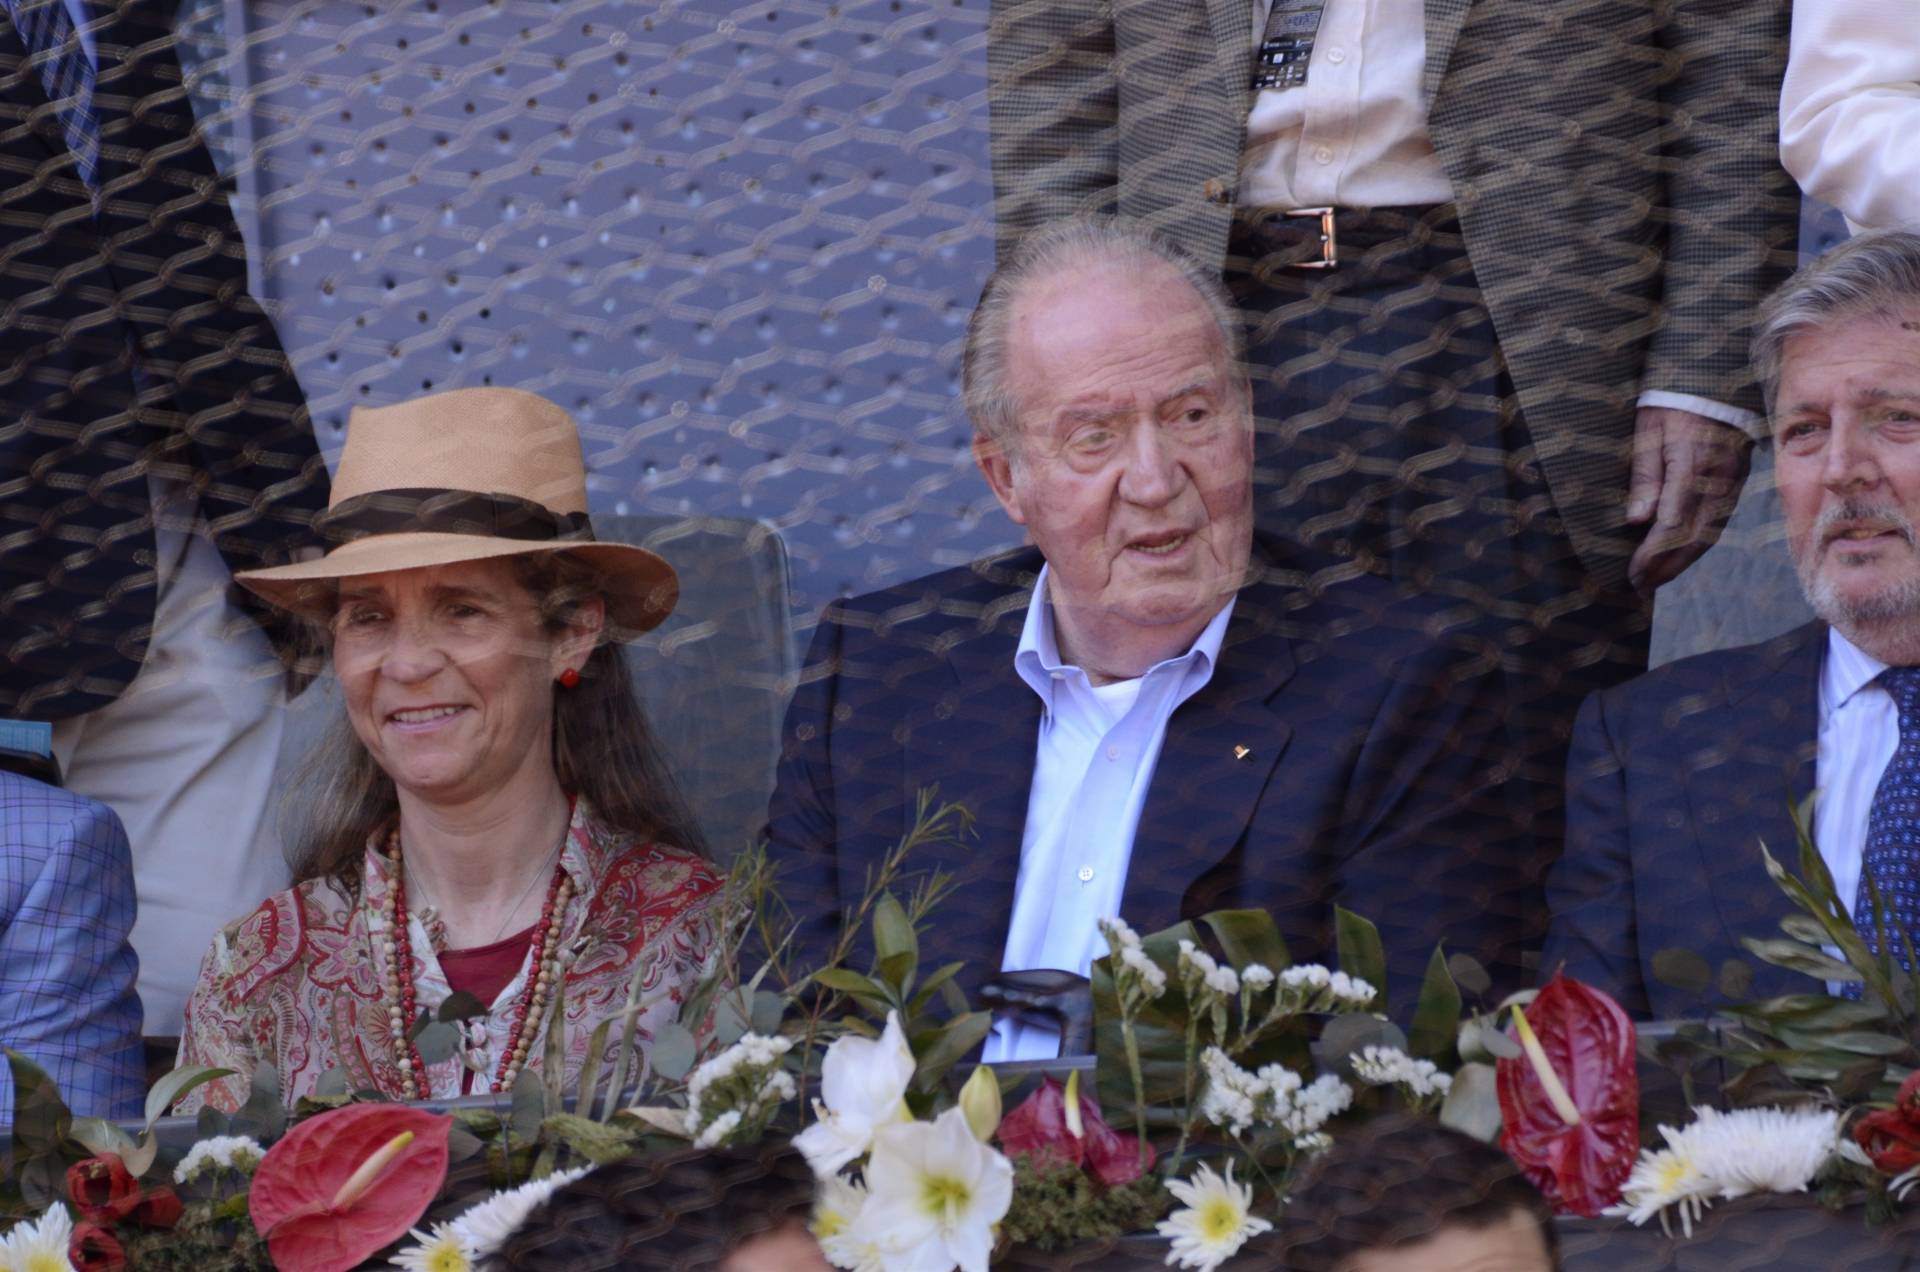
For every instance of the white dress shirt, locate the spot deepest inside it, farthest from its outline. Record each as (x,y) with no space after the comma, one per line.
(1850,107)
(1355,135)
(1092,766)
(1859,731)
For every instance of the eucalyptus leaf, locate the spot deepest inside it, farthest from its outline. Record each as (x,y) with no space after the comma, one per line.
(674,1051)
(462,1144)
(529,1106)
(437,1042)
(1736,979)
(1469,974)
(769,1009)
(212,1121)
(168,1090)
(730,1023)
(1472,1106)
(262,1117)
(459,1005)
(331,1082)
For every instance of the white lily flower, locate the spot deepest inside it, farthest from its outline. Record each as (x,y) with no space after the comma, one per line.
(863,1084)
(934,1194)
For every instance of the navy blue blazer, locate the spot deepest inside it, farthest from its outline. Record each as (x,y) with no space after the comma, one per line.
(1674,781)
(1373,749)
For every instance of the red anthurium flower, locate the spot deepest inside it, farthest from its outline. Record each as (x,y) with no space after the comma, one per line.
(344,1183)
(93,1248)
(1571,1105)
(160,1209)
(102,1189)
(1038,1128)
(1891,1137)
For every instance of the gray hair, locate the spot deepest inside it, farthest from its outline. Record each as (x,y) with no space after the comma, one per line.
(1108,242)
(1868,274)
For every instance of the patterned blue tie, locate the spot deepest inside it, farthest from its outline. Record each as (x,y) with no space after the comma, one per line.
(1892,857)
(67,75)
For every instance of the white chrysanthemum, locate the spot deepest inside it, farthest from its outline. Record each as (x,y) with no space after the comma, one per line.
(39,1245)
(220,1152)
(1256,976)
(442,1250)
(485,1228)
(1214,1221)
(1663,1178)
(934,1194)
(1761,1150)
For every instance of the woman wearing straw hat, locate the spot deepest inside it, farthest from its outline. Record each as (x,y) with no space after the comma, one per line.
(492,814)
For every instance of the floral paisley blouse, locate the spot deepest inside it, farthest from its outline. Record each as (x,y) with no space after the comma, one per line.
(298,983)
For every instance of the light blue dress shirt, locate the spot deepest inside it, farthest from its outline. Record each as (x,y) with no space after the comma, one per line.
(1093,763)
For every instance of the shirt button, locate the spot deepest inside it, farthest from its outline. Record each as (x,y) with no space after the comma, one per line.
(1085,874)
(1323,155)
(1113,752)
(1336,56)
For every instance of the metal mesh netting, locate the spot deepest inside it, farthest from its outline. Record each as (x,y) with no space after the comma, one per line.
(740,244)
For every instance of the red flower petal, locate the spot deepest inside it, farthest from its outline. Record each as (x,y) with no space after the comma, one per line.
(1890,1138)
(291,1199)
(1590,1043)
(94,1249)
(1113,1158)
(1038,1128)
(101,1188)
(160,1208)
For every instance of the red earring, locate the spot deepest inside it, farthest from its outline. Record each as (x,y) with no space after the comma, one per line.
(569,678)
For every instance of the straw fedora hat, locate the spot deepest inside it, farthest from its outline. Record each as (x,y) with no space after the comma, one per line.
(469,475)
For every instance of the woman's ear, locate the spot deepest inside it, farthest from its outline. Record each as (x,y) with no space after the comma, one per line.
(585,629)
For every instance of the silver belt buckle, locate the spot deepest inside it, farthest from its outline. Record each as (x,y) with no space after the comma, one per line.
(1329,241)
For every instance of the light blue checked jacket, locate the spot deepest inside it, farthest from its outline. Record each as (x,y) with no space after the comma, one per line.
(67,1000)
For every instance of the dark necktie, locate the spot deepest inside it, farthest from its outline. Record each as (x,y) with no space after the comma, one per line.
(53,43)
(1892,856)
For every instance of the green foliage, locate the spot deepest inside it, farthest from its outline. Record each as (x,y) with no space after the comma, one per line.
(1062,1205)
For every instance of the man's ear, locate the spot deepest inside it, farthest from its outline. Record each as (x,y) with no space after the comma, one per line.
(997,467)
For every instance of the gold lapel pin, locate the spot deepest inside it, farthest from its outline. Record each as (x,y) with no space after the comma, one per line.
(1241,752)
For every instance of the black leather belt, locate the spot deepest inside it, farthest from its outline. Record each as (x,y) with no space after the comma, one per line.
(1314,238)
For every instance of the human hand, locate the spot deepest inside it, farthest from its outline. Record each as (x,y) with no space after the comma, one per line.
(1686,477)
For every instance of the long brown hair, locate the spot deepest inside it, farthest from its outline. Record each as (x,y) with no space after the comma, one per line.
(603,751)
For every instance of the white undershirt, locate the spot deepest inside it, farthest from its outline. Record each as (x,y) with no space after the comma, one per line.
(1859,731)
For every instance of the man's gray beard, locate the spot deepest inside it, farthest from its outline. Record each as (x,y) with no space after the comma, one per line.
(1894,602)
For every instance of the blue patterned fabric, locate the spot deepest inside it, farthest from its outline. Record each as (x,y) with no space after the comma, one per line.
(1892,857)
(46,28)
(67,999)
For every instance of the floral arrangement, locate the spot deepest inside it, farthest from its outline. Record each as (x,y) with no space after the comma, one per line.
(1220,1067)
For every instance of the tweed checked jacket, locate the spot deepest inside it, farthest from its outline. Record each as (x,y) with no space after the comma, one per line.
(299,983)
(1613,162)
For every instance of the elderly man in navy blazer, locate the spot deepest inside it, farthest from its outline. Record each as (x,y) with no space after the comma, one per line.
(1676,778)
(1150,711)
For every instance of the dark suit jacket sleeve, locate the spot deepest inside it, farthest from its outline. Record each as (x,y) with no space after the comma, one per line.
(1590,895)
(1053,104)
(1732,208)
(803,818)
(67,971)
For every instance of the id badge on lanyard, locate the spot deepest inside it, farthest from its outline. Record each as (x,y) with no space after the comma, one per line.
(1287,43)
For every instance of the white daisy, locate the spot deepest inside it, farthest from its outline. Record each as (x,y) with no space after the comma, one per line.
(442,1250)
(1662,1178)
(1214,1222)
(486,1227)
(39,1245)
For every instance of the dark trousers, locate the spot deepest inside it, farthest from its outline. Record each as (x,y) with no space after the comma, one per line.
(1390,438)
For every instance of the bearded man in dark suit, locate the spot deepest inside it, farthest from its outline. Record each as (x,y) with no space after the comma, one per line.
(1151,712)
(1678,777)
(154,440)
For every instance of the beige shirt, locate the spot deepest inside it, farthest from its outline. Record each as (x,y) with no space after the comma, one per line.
(1355,135)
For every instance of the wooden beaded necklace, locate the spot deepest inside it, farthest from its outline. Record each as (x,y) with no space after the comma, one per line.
(397,947)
